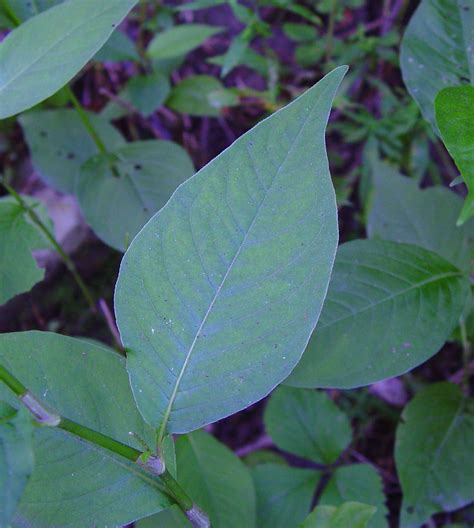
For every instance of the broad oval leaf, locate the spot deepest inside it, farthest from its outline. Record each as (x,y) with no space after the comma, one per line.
(74,483)
(357,482)
(18,238)
(409,298)
(455,118)
(353,514)
(59,144)
(433,453)
(402,212)
(284,494)
(146,175)
(16,458)
(44,53)
(307,423)
(437,51)
(219,293)
(216,479)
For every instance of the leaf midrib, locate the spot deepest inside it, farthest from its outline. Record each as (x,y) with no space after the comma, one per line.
(226,275)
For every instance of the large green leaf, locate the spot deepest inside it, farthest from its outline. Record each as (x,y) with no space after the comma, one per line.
(402,212)
(146,174)
(74,483)
(433,453)
(389,308)
(44,53)
(216,480)
(18,238)
(357,482)
(307,423)
(170,518)
(284,494)
(353,514)
(436,50)
(180,40)
(59,144)
(455,118)
(16,458)
(219,293)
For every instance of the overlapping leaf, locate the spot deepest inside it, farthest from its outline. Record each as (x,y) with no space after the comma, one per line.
(218,294)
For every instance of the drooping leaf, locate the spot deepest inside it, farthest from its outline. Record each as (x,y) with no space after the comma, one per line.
(16,458)
(146,93)
(353,514)
(18,238)
(201,95)
(307,423)
(218,294)
(436,51)
(217,480)
(59,144)
(455,118)
(120,47)
(284,494)
(409,298)
(74,483)
(433,453)
(180,40)
(361,483)
(118,204)
(44,53)
(402,212)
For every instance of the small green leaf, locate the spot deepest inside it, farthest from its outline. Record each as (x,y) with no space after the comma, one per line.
(217,480)
(361,483)
(455,119)
(402,212)
(147,173)
(263,456)
(436,51)
(409,298)
(73,482)
(300,32)
(218,294)
(433,453)
(18,238)
(180,40)
(118,48)
(349,514)
(284,494)
(16,458)
(44,53)
(59,144)
(201,95)
(307,423)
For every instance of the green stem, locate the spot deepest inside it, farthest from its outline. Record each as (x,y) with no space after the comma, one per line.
(466,356)
(52,419)
(86,121)
(47,233)
(330,32)
(11,14)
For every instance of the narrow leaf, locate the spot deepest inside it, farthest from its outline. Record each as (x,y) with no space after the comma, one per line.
(219,293)
(44,53)
(74,483)
(215,478)
(307,423)
(433,453)
(409,298)
(455,118)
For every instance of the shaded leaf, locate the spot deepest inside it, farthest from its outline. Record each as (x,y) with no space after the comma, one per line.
(284,494)
(147,173)
(433,453)
(436,51)
(353,514)
(216,480)
(74,483)
(120,47)
(234,270)
(170,518)
(44,53)
(455,119)
(409,298)
(361,483)
(59,144)
(16,458)
(307,423)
